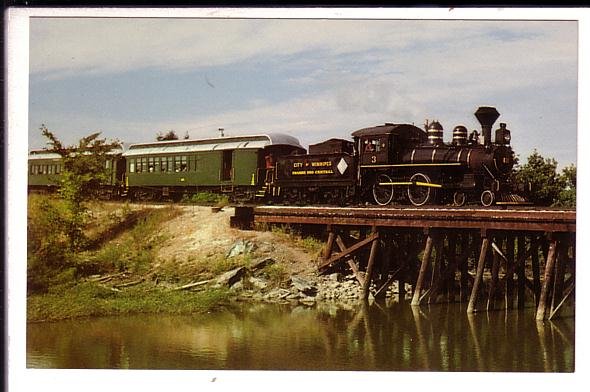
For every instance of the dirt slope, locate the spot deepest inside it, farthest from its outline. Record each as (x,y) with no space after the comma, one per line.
(198,233)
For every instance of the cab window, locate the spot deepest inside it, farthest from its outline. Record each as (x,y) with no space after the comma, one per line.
(373,145)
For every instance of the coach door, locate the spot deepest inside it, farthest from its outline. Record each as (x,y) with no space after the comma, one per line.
(227,165)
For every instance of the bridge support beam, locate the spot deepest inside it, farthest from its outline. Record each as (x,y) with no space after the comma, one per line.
(423,268)
(478,275)
(541,309)
(370,264)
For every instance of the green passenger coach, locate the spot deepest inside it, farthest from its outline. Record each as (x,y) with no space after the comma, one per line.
(236,165)
(44,170)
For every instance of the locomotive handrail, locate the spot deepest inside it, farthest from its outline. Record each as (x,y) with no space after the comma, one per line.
(412,165)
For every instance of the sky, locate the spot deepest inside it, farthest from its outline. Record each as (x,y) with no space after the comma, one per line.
(315,79)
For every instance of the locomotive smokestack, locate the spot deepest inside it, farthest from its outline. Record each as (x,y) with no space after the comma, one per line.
(221,132)
(486,115)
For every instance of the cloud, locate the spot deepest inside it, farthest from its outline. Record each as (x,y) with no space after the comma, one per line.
(61,47)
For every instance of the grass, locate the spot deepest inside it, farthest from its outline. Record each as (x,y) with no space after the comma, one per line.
(89,299)
(131,243)
(193,269)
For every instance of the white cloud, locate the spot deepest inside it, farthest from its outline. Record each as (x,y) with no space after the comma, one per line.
(61,46)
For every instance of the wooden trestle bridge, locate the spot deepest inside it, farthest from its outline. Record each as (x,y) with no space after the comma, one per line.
(488,258)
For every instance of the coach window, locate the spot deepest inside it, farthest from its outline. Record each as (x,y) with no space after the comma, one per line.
(164,166)
(170,164)
(151,164)
(183,163)
(132,166)
(43,169)
(57,168)
(50,169)
(107,164)
(157,164)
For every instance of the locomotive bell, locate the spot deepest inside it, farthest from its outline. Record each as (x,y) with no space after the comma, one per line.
(435,133)
(459,135)
(486,115)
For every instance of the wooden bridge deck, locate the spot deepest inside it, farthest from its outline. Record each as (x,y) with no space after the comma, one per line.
(451,218)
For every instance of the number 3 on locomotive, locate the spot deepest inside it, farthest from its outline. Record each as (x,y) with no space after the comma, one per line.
(373,159)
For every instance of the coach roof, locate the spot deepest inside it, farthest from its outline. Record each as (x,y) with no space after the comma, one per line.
(251,142)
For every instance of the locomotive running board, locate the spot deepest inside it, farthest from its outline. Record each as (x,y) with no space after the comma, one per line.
(417,183)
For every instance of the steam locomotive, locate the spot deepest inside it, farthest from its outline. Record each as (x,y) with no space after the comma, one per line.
(390,163)
(400,163)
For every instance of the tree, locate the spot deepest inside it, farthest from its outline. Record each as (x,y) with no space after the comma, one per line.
(546,184)
(169,135)
(567,196)
(84,170)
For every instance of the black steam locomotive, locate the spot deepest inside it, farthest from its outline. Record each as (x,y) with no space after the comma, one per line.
(402,163)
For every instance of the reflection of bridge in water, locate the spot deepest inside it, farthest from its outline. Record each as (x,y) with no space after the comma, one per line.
(445,338)
(488,258)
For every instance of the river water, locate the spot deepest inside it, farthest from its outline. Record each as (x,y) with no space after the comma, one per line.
(439,337)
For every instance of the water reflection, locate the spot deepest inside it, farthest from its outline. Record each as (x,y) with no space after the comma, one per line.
(438,337)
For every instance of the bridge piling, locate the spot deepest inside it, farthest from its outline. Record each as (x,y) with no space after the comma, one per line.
(423,268)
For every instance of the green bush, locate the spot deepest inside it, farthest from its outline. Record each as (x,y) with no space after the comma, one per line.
(276,274)
(206,199)
(47,242)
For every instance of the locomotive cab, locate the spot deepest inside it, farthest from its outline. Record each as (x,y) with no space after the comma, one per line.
(374,149)
(384,144)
